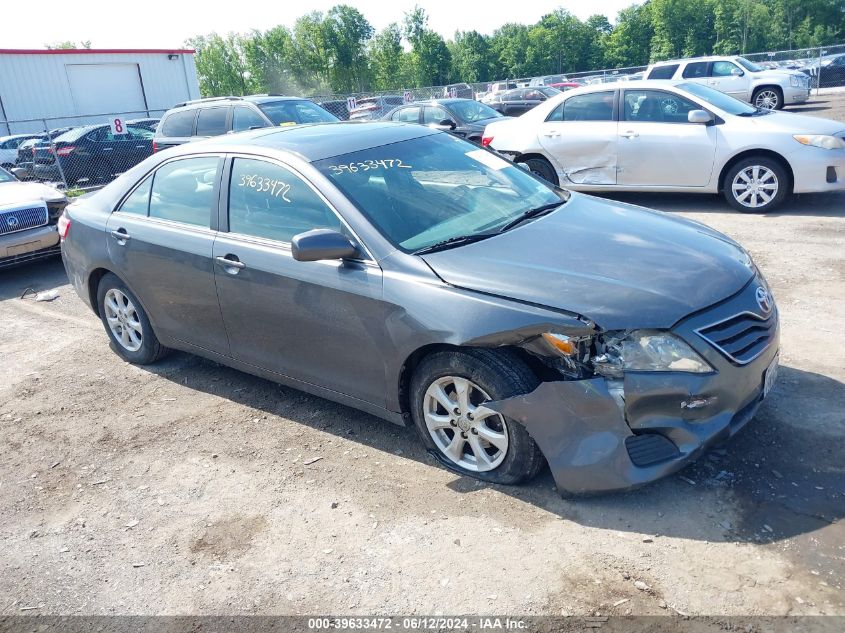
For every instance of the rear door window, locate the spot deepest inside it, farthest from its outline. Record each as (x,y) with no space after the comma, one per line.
(179,124)
(596,106)
(212,121)
(695,70)
(266,200)
(663,72)
(183,190)
(138,202)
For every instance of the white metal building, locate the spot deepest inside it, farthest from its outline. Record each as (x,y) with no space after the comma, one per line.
(79,86)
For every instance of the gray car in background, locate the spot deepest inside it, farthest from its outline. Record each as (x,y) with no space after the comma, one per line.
(413,275)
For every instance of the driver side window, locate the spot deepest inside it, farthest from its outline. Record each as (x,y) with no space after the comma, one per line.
(723,69)
(269,201)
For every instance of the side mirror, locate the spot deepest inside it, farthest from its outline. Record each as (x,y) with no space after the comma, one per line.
(319,244)
(736,72)
(449,123)
(699,116)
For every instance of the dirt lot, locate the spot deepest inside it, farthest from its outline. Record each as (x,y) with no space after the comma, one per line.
(189,488)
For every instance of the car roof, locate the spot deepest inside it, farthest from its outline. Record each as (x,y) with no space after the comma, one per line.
(257,99)
(315,141)
(707,58)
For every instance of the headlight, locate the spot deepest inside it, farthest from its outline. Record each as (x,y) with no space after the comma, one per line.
(825,141)
(799,81)
(647,350)
(660,351)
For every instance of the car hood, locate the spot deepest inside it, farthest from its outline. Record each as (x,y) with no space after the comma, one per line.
(20,192)
(620,265)
(797,124)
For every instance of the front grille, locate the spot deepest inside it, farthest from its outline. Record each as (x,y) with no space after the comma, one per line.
(14,220)
(742,337)
(650,448)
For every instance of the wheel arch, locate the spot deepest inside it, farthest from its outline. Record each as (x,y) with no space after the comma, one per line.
(522,158)
(94,284)
(416,357)
(757,152)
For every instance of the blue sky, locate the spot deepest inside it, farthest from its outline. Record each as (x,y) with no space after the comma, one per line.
(166,24)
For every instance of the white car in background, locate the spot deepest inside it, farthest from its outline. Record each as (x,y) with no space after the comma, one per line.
(674,136)
(740,78)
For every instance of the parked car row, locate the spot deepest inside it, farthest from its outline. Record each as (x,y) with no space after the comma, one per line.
(669,135)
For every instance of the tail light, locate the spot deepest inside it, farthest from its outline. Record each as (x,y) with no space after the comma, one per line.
(155,147)
(64,151)
(486,140)
(63,225)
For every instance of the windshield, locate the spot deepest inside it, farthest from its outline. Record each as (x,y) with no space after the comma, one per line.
(5,176)
(434,188)
(549,91)
(718,99)
(471,111)
(292,112)
(754,68)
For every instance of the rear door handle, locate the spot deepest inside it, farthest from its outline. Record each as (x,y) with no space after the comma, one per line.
(121,236)
(233,264)
(630,134)
(552,134)
(140,146)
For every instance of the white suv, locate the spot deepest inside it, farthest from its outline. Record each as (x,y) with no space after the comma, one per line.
(740,78)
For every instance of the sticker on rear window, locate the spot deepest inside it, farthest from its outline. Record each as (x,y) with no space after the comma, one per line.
(490,160)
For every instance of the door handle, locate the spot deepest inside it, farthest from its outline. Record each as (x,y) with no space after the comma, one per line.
(552,134)
(140,147)
(108,149)
(630,134)
(121,236)
(230,264)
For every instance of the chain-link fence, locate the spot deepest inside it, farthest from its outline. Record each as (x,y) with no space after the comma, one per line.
(77,151)
(825,65)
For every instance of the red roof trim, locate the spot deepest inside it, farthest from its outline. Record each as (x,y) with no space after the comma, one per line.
(93,51)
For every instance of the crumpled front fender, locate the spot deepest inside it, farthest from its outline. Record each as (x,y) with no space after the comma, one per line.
(581,431)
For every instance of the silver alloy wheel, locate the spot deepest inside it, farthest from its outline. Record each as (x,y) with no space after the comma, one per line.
(755,186)
(767,99)
(123,320)
(469,434)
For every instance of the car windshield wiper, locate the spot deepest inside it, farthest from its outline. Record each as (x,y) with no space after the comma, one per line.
(458,240)
(531,213)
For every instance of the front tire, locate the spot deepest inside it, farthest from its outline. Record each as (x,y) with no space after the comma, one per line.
(756,185)
(448,390)
(768,98)
(126,323)
(543,168)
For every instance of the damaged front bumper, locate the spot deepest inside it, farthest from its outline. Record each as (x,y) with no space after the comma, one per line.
(604,434)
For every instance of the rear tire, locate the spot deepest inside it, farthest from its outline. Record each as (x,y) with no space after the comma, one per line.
(511,456)
(126,323)
(542,168)
(756,184)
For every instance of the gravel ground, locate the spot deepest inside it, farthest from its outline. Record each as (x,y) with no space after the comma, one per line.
(190,488)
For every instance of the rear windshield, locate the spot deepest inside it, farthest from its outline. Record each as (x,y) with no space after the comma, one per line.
(75,134)
(291,112)
(472,111)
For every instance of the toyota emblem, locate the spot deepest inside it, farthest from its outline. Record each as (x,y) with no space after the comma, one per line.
(12,221)
(764,300)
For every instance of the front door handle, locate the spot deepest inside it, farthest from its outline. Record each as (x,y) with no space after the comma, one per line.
(230,263)
(552,134)
(630,134)
(121,236)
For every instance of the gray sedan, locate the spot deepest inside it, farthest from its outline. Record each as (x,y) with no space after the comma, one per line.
(408,273)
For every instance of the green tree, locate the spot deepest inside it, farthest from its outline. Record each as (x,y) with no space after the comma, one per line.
(345,35)
(68,44)
(471,60)
(221,65)
(386,57)
(430,58)
(629,43)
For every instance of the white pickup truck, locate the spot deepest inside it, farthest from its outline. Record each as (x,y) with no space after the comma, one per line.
(740,78)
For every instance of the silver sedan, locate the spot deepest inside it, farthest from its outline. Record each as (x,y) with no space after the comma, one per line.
(674,136)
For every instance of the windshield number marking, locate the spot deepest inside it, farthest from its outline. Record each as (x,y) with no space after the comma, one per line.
(274,188)
(367,165)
